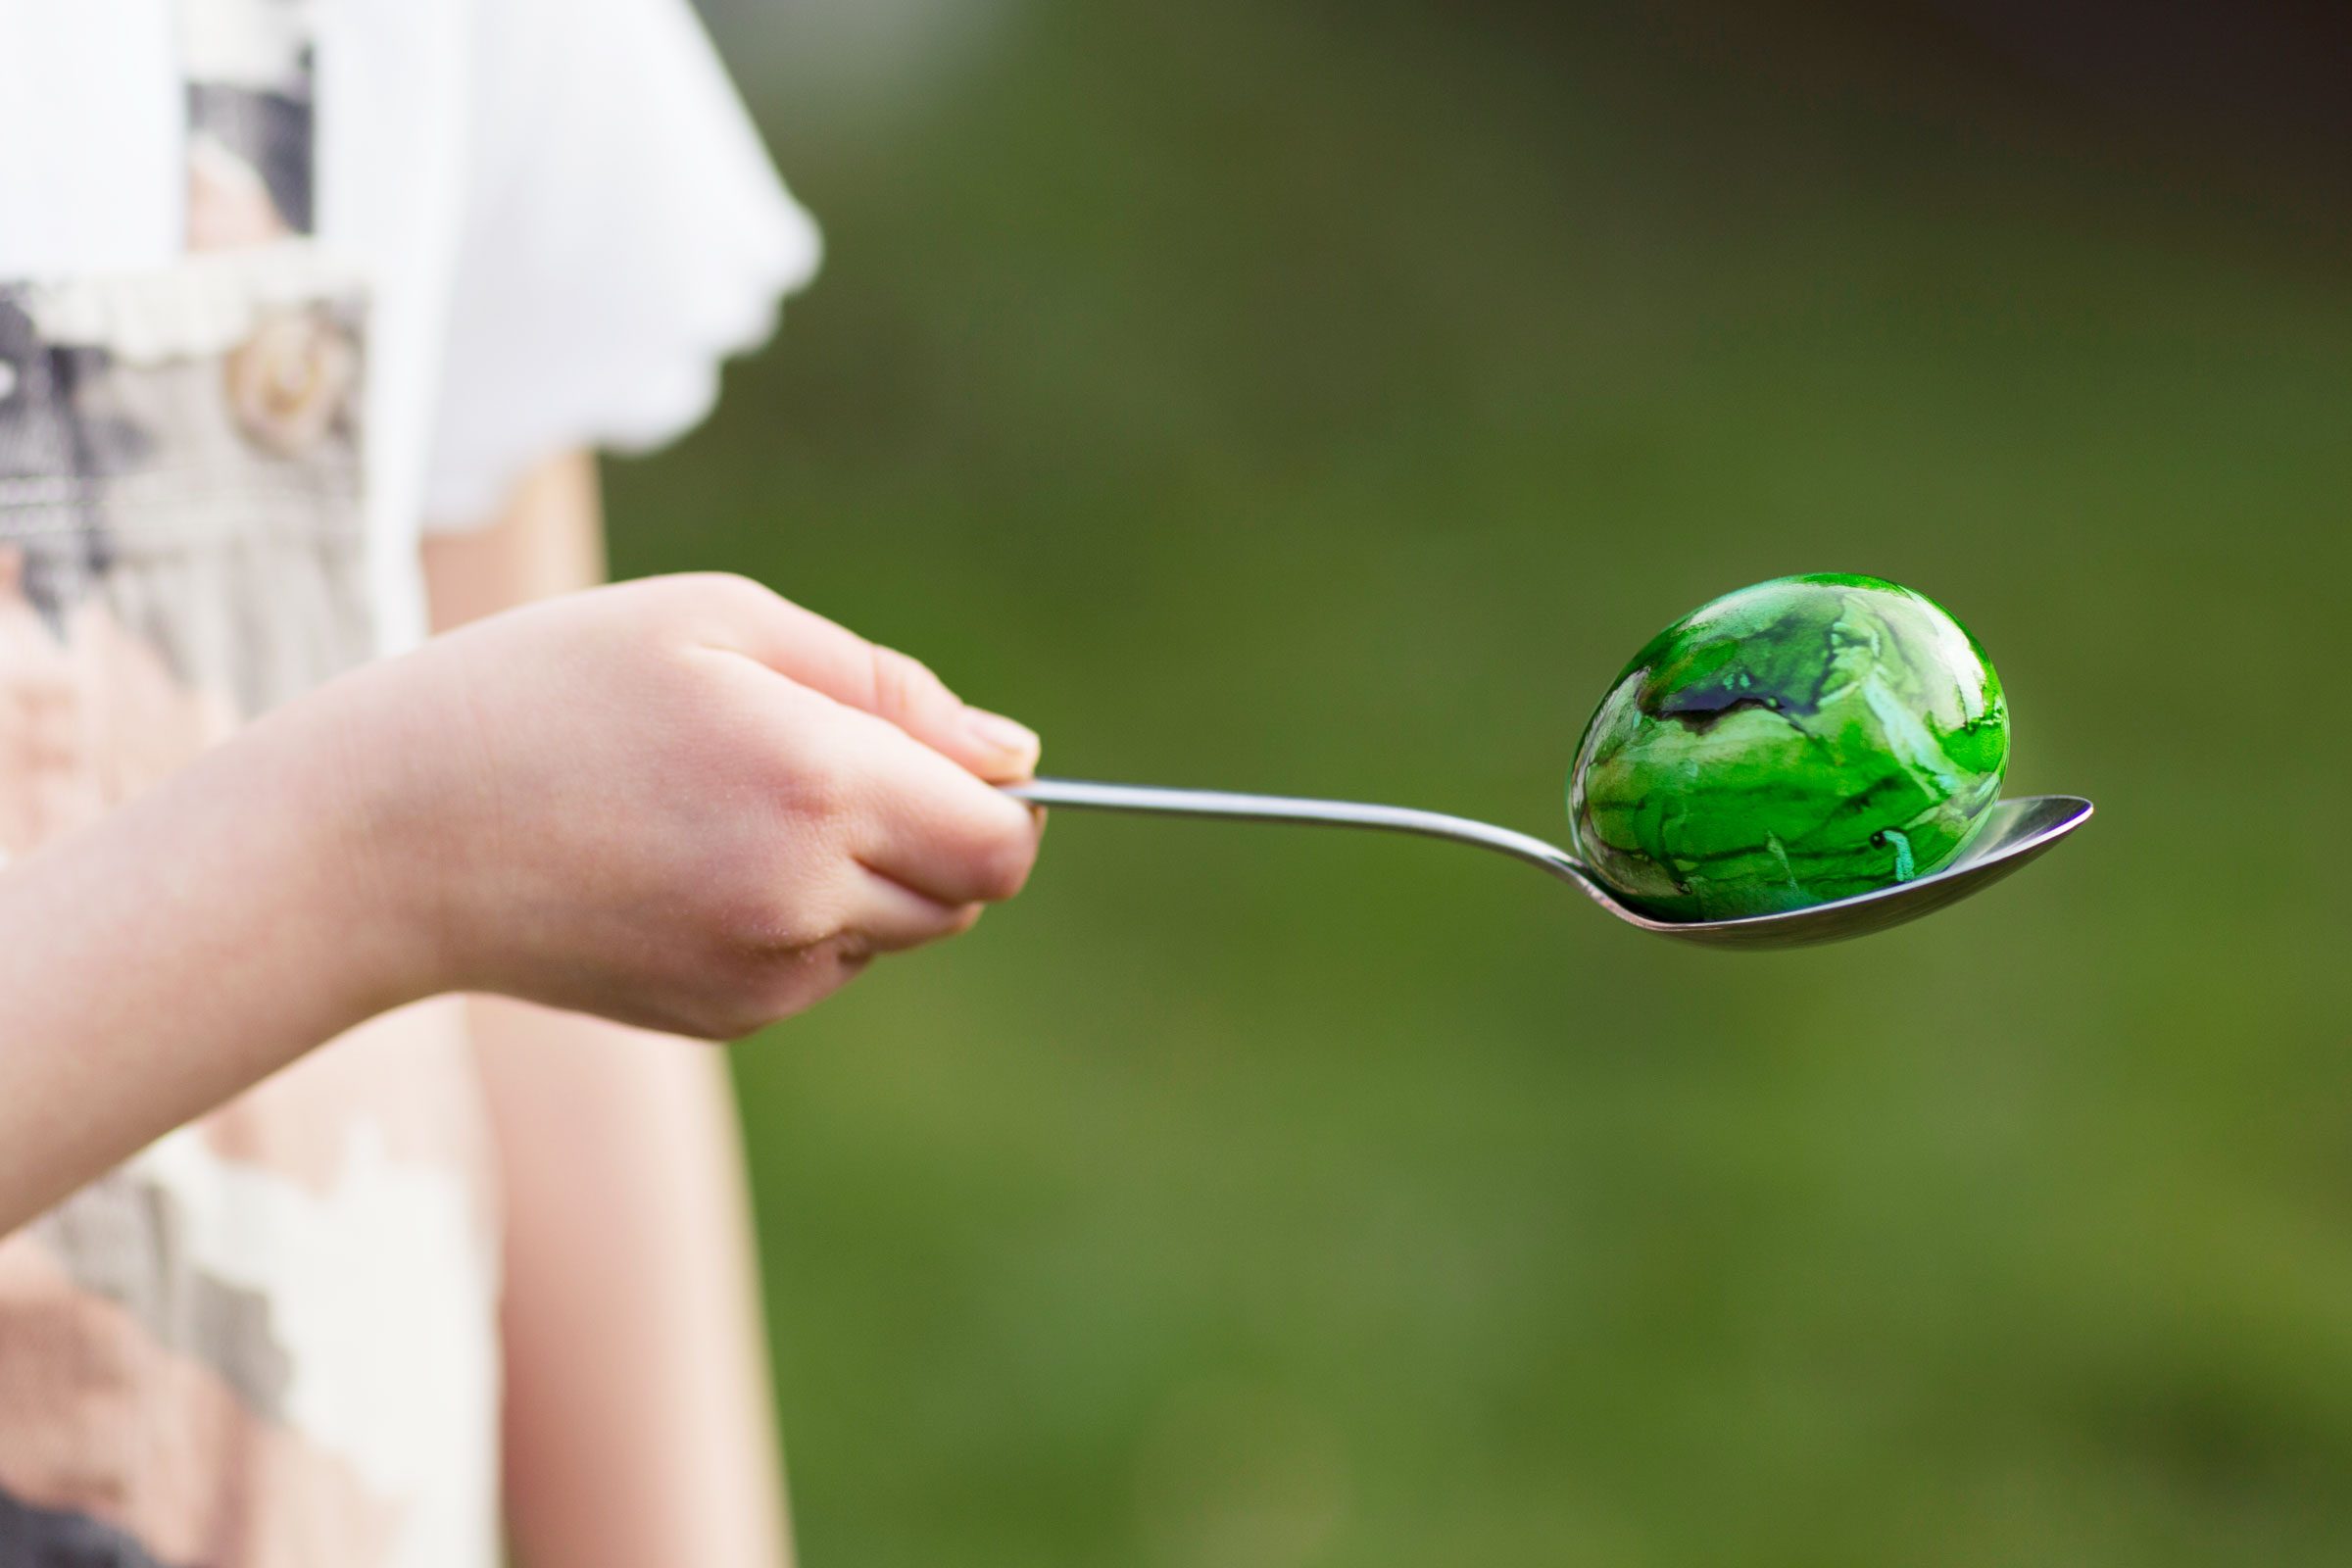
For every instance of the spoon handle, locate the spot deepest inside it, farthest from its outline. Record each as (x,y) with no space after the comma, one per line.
(1152,801)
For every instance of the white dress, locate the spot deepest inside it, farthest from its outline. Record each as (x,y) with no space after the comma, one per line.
(279,279)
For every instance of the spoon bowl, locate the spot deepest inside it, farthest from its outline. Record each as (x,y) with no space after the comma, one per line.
(2018,830)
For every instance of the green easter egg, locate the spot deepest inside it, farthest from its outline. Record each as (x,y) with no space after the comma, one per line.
(1806,739)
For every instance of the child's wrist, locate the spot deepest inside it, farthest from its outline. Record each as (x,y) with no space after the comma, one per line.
(354,842)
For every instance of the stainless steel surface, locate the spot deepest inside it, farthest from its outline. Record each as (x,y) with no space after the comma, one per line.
(2020,830)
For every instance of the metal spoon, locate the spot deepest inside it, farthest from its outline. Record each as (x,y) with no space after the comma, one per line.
(2018,830)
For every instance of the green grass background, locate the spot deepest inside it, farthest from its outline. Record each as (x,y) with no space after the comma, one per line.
(1327,399)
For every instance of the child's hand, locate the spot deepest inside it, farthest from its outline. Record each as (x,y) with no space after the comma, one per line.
(683,803)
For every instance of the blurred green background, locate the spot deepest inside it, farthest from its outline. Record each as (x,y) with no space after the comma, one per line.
(1327,398)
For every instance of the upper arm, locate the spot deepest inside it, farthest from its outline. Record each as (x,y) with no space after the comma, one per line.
(549,538)
(620,232)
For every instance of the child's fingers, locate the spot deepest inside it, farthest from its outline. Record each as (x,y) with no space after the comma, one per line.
(933,827)
(831,658)
(891,917)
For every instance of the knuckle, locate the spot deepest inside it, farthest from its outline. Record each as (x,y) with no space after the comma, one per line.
(719,601)
(727,588)
(767,935)
(846,953)
(821,785)
(903,684)
(751,912)
(812,972)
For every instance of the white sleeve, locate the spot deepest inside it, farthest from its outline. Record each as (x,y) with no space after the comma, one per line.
(622,233)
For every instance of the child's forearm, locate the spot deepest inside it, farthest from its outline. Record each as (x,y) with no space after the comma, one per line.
(155,963)
(682,804)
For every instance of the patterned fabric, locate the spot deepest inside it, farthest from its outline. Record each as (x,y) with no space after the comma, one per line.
(270,1339)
